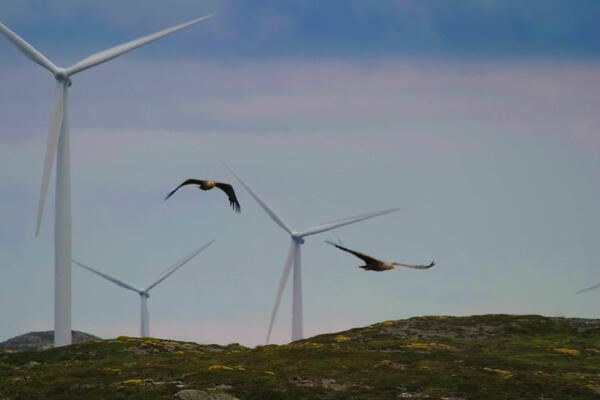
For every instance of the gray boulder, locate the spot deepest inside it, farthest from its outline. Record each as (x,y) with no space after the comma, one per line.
(191,394)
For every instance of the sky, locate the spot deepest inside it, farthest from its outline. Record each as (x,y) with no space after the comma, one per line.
(478,119)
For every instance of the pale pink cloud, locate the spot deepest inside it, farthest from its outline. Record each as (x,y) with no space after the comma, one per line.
(330,97)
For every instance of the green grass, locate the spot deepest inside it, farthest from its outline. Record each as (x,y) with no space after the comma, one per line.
(479,357)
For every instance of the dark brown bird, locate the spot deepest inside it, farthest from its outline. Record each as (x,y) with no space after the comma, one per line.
(208,185)
(373,264)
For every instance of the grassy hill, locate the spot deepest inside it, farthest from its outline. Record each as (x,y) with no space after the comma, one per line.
(452,358)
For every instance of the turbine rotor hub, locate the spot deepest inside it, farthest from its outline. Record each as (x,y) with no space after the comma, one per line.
(297,239)
(61,75)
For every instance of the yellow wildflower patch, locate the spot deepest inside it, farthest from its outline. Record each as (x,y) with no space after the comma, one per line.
(239,368)
(505,373)
(137,381)
(428,346)
(270,373)
(383,363)
(305,345)
(341,338)
(417,346)
(564,350)
(179,352)
(217,366)
(387,323)
(132,381)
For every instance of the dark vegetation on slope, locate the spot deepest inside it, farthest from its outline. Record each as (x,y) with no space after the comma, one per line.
(479,357)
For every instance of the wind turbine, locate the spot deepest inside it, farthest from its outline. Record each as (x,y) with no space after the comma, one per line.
(294,259)
(144,293)
(58,147)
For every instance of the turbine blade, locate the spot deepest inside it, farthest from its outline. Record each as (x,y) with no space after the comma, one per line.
(590,288)
(107,277)
(51,148)
(278,220)
(27,49)
(284,277)
(162,276)
(116,51)
(341,222)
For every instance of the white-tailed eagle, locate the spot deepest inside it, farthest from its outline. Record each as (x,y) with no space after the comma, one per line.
(373,264)
(208,185)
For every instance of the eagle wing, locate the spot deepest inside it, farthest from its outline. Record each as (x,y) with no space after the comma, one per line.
(186,182)
(233,201)
(366,258)
(415,266)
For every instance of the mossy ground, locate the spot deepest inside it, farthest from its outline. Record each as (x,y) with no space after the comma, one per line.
(479,357)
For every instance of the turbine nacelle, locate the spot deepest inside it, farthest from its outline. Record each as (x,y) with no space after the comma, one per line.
(296,237)
(145,294)
(62,75)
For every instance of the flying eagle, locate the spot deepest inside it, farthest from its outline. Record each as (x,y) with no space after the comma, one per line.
(207,185)
(373,264)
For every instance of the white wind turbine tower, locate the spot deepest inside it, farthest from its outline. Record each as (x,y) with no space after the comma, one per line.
(58,147)
(144,293)
(293,258)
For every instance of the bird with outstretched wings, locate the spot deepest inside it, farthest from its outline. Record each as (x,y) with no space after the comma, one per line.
(208,185)
(373,264)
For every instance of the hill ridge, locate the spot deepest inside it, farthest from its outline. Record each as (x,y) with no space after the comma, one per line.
(493,356)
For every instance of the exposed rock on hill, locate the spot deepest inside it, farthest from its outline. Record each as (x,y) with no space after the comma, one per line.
(40,341)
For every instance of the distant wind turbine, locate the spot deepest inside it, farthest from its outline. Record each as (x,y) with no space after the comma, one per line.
(590,288)
(58,147)
(144,293)
(293,258)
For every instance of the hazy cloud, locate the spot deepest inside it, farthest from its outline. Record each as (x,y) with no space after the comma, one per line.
(392,98)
